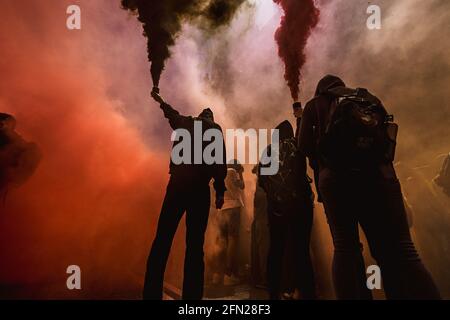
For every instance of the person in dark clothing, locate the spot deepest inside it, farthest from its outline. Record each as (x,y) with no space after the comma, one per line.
(373,199)
(229,223)
(259,236)
(19,159)
(188,191)
(290,216)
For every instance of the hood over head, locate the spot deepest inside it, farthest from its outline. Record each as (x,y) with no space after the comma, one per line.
(207,114)
(286,130)
(328,82)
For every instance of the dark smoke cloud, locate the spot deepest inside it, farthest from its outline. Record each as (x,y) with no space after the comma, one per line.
(220,12)
(220,61)
(162,22)
(300,17)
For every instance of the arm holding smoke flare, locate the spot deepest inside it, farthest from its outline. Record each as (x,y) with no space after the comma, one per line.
(176,120)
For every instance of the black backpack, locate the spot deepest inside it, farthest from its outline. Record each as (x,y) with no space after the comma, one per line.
(286,185)
(359,133)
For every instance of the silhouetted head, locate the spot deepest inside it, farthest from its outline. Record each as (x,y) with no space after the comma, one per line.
(207,114)
(286,131)
(7,121)
(297,108)
(236,165)
(328,82)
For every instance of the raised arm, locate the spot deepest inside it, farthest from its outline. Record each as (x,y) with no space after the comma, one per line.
(175,119)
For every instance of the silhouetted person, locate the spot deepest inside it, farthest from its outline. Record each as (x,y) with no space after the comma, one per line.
(188,191)
(361,188)
(18,158)
(229,223)
(259,236)
(290,215)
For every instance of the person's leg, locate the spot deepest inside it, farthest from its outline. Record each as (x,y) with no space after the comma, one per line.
(301,227)
(349,276)
(254,262)
(171,213)
(386,227)
(276,251)
(289,269)
(197,214)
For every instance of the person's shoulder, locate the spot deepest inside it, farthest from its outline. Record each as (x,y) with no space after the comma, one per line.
(310,109)
(214,125)
(207,123)
(311,104)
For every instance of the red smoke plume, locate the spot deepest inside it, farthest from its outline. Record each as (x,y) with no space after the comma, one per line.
(95,196)
(300,17)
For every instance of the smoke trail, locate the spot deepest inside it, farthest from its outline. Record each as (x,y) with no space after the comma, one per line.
(300,17)
(162,22)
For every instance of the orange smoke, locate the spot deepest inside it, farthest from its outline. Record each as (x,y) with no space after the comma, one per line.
(94,199)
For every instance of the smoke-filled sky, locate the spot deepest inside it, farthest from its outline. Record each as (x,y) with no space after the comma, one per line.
(84,97)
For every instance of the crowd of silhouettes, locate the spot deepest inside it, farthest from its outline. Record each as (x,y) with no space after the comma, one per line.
(348,139)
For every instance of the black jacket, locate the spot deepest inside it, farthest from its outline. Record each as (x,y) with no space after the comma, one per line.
(197,173)
(291,183)
(314,119)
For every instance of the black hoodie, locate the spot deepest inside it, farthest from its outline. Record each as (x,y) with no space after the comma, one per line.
(292,185)
(315,117)
(314,121)
(285,130)
(199,173)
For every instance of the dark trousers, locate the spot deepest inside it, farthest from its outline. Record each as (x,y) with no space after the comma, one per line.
(293,223)
(376,204)
(194,199)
